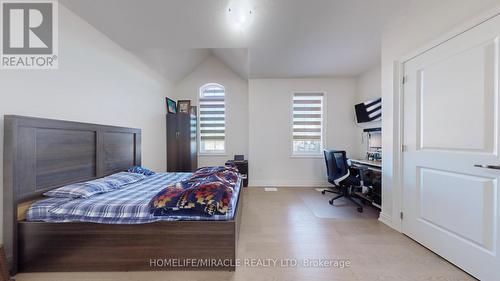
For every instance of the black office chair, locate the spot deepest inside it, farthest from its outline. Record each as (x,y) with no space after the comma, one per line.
(339,174)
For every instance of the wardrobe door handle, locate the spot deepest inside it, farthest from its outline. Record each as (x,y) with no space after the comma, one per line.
(493,167)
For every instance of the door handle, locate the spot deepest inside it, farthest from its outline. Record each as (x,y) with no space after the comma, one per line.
(494,167)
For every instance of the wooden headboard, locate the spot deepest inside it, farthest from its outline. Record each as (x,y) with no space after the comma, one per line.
(43,154)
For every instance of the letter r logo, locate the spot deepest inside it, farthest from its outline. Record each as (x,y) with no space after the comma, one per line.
(27,28)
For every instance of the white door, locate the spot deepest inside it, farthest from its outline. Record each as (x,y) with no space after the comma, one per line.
(451,123)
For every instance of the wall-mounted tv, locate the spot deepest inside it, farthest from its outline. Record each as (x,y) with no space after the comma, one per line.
(369,111)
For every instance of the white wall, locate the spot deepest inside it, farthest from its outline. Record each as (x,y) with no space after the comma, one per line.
(260,107)
(368,84)
(212,70)
(270,158)
(98,82)
(368,87)
(421,22)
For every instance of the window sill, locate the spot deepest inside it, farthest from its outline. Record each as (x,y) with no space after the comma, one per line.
(306,156)
(213,154)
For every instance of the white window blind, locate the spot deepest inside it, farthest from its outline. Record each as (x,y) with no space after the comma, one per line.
(307,136)
(212,119)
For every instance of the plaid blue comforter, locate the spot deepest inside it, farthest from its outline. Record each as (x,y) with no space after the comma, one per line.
(127,205)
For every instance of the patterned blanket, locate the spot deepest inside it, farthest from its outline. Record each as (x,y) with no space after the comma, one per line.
(209,190)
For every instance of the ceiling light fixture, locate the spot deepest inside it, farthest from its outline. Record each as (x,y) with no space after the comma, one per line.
(240,14)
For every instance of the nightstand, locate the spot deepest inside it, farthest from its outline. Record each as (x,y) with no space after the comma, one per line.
(242,167)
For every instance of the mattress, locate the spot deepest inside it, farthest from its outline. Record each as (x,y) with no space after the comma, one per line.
(127,205)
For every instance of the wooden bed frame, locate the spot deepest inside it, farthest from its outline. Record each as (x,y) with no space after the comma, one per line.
(43,154)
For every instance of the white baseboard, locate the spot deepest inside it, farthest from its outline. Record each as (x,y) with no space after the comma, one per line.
(285,183)
(384,218)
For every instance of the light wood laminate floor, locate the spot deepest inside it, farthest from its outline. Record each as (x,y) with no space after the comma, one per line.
(293,223)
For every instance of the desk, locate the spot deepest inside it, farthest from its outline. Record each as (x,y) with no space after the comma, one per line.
(369,163)
(372,178)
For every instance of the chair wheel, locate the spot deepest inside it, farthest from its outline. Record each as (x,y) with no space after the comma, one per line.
(331,202)
(323,192)
(360,210)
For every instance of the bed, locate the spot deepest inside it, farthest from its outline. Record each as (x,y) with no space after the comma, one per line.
(43,154)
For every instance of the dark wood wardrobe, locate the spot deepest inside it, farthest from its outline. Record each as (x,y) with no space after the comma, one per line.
(182,154)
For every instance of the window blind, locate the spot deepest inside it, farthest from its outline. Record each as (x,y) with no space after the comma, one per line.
(307,122)
(212,114)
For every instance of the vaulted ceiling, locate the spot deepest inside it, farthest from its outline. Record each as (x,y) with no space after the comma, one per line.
(281,39)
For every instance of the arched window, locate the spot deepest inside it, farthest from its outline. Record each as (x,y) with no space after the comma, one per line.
(212,119)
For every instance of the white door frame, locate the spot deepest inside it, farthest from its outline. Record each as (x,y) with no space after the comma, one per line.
(398,114)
